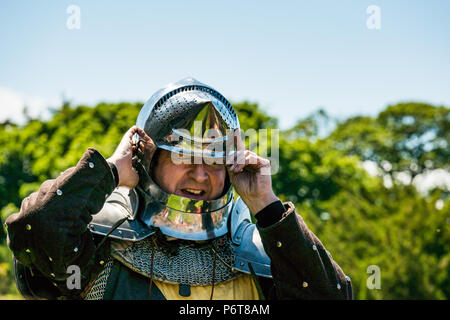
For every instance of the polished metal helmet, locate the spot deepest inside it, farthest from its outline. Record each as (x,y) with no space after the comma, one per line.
(193,119)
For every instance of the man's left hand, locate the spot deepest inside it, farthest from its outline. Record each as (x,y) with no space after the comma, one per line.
(250,176)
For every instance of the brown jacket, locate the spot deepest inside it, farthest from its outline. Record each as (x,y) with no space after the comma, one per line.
(50,233)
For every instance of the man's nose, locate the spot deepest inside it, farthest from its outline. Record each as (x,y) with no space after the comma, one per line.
(198,173)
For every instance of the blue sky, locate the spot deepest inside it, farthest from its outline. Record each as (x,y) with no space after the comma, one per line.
(291,57)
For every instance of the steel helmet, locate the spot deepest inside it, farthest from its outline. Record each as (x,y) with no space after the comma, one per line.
(188,118)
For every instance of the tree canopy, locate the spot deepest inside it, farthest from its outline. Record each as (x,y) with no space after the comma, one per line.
(360,219)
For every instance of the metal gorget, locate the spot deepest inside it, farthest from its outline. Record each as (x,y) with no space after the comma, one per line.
(185,218)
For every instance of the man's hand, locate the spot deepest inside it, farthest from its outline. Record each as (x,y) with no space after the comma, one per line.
(122,157)
(250,176)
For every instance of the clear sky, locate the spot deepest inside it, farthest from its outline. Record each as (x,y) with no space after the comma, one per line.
(291,57)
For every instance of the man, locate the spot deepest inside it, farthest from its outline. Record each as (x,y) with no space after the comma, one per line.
(158,220)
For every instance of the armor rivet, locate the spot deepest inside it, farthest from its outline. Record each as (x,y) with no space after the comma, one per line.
(329,253)
(28,251)
(75,249)
(59,192)
(102,262)
(242,264)
(338,286)
(314,247)
(28,227)
(50,258)
(348,278)
(52,274)
(279,244)
(305,284)
(91,165)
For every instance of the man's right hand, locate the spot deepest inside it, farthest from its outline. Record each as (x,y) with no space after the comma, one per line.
(122,157)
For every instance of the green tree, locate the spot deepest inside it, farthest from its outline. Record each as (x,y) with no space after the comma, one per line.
(406,137)
(360,220)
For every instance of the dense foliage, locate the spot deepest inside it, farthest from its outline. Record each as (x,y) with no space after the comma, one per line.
(361,219)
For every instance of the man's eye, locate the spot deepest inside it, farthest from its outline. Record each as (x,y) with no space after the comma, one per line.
(215,163)
(217,166)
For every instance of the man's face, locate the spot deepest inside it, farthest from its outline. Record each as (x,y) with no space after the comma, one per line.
(196,181)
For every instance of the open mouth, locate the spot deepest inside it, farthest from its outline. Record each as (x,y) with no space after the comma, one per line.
(193,193)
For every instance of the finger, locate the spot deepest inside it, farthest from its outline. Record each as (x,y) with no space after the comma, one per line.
(239,160)
(147,141)
(238,140)
(248,157)
(142,134)
(257,164)
(230,159)
(125,144)
(234,148)
(140,138)
(130,133)
(252,162)
(235,157)
(134,136)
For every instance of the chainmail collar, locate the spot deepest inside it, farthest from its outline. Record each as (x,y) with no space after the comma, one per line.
(178,261)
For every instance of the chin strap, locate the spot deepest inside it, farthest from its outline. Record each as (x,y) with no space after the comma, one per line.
(137,161)
(213,275)
(144,177)
(216,255)
(257,284)
(113,227)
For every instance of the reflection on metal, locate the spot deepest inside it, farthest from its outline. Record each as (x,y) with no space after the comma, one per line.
(185,218)
(189,119)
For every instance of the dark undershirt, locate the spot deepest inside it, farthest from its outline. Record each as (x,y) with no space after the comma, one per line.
(270,214)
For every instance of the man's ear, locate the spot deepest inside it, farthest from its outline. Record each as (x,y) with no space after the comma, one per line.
(154,162)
